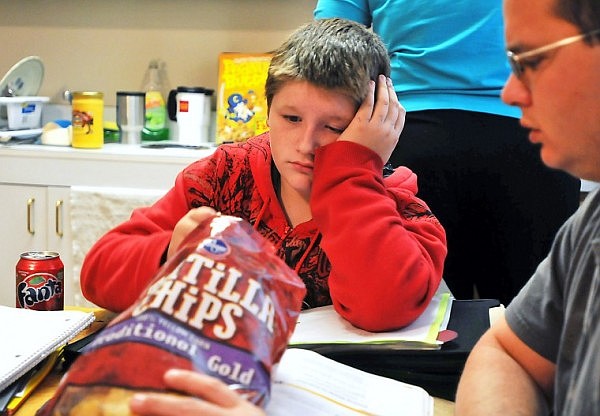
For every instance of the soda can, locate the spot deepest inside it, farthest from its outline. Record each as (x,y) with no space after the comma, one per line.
(40,281)
(88,120)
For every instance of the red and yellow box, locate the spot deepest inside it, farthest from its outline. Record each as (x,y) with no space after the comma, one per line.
(241,103)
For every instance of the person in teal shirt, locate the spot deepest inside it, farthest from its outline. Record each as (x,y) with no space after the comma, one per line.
(499,204)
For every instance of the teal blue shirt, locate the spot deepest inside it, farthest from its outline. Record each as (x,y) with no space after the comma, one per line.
(444,54)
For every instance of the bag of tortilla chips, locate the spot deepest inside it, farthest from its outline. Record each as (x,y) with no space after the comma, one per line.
(225,305)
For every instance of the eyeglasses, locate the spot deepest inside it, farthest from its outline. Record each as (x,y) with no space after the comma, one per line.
(518,62)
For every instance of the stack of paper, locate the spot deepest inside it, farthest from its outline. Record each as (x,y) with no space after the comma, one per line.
(306,383)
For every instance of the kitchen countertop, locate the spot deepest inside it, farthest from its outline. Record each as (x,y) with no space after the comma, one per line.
(115,165)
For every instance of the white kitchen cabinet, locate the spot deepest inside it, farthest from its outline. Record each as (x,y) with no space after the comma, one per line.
(37,185)
(35,218)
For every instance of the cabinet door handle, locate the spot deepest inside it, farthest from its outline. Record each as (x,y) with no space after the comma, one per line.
(58,228)
(30,203)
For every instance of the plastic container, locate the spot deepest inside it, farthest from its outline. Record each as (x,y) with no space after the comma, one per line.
(23,112)
(156,125)
(88,119)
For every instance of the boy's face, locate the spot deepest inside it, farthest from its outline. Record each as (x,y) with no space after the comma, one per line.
(559,91)
(303,117)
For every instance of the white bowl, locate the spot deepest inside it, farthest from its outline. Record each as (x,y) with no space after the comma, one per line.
(24,112)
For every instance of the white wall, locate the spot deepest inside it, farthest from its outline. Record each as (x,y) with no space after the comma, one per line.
(105,45)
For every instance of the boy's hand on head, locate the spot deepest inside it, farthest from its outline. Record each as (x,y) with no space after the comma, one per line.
(186,225)
(377,123)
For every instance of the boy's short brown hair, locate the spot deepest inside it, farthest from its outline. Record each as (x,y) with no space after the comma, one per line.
(336,54)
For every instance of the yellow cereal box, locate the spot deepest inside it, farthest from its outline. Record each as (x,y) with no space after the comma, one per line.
(241,101)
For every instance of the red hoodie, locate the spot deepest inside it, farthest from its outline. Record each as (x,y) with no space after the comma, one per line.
(373,249)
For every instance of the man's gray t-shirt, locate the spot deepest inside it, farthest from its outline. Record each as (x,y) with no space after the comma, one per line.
(558,312)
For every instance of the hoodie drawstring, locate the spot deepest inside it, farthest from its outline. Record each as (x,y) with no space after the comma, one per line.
(311,244)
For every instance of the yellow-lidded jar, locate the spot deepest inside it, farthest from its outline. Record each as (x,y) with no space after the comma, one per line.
(88,119)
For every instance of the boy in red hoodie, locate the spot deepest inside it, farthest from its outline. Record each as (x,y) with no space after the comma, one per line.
(313,185)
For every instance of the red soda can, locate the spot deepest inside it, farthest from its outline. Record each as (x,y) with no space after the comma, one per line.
(40,281)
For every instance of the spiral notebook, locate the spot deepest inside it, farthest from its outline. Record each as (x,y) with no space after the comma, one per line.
(30,336)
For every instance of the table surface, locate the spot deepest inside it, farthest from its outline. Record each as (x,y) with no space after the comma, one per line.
(47,388)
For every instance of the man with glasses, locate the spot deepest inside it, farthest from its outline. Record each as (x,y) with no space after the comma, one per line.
(543,356)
